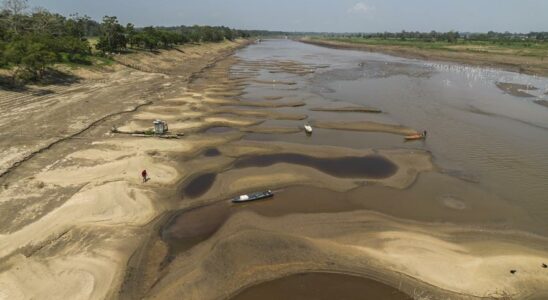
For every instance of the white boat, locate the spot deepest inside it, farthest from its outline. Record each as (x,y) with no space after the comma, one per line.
(253,196)
(308,128)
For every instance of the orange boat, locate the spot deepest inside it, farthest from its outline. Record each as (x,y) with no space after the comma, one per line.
(415,137)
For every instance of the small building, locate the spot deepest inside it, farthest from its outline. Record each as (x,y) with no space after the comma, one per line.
(160,127)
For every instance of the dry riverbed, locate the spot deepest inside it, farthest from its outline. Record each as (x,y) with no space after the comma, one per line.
(78,222)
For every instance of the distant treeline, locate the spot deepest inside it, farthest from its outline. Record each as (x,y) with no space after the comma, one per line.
(450,36)
(32,41)
(116,38)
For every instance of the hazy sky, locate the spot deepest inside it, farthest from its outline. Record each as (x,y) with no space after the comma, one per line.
(321,15)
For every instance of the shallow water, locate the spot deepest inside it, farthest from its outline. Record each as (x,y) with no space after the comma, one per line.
(199,185)
(372,166)
(491,147)
(211,152)
(320,286)
(474,127)
(220,129)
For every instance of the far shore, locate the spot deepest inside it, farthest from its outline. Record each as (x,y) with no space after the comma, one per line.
(514,63)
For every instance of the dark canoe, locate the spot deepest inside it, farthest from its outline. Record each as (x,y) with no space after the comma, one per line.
(253,196)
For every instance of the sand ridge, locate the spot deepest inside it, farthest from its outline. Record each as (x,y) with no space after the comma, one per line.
(348,242)
(77,246)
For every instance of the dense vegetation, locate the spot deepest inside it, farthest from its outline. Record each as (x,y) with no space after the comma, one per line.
(533,44)
(30,42)
(452,36)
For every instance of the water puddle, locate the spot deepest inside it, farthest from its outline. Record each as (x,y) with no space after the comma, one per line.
(199,185)
(193,226)
(211,152)
(372,166)
(220,129)
(319,286)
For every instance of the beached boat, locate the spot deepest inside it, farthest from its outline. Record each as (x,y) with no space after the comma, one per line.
(308,128)
(253,196)
(415,137)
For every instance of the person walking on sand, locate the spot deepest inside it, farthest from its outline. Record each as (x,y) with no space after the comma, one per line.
(144,175)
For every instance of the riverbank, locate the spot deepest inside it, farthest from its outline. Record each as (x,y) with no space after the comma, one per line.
(512,61)
(72,204)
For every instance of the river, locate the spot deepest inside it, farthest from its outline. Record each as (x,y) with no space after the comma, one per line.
(460,225)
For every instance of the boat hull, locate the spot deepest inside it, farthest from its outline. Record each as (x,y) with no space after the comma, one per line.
(414,137)
(253,197)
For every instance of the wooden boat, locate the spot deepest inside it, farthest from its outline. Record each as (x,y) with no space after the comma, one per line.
(308,128)
(253,196)
(414,137)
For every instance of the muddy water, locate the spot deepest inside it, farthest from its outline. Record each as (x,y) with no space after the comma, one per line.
(491,147)
(475,129)
(372,166)
(450,200)
(321,286)
(199,185)
(212,152)
(219,129)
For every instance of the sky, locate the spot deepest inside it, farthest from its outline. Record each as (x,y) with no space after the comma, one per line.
(320,15)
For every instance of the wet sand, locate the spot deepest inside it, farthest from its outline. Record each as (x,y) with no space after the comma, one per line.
(514,89)
(542,102)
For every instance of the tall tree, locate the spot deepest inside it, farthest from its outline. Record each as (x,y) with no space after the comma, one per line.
(112,37)
(131,34)
(15,8)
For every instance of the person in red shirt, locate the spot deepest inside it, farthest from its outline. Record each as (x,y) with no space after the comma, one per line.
(144,175)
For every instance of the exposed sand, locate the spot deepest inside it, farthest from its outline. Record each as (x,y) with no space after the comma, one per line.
(78,223)
(84,203)
(515,89)
(542,102)
(365,126)
(409,255)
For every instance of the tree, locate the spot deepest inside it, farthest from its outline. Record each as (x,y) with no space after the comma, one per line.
(131,34)
(112,37)
(32,57)
(15,9)
(43,22)
(452,36)
(150,38)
